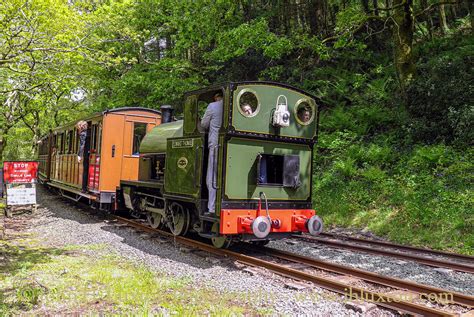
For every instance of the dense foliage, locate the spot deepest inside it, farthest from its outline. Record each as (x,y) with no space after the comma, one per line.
(395,77)
(441,104)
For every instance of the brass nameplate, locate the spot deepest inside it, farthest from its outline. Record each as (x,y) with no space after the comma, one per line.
(176,144)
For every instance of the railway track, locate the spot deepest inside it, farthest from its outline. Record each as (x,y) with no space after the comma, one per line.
(354,244)
(401,247)
(385,300)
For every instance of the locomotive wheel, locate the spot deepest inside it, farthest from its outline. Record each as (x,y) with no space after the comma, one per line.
(139,205)
(221,242)
(154,219)
(179,219)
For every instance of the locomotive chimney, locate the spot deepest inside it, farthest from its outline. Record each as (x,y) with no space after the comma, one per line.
(166,113)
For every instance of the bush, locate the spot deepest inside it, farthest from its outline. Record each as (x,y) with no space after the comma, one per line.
(430,157)
(404,171)
(442,97)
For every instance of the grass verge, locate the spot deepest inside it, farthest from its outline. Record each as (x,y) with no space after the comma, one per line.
(422,197)
(83,280)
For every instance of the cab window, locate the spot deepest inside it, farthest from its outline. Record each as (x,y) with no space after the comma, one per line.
(202,106)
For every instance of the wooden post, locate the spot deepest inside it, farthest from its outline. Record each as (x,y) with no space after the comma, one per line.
(2,223)
(8,212)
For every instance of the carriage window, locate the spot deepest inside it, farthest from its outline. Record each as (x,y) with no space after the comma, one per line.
(99,137)
(69,142)
(66,142)
(139,131)
(74,141)
(248,103)
(60,143)
(94,137)
(304,112)
(56,143)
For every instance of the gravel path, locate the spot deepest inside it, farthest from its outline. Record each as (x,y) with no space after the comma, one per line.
(409,270)
(59,223)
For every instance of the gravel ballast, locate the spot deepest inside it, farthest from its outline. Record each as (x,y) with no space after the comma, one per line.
(408,270)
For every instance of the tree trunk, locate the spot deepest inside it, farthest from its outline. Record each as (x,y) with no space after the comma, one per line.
(36,138)
(376,7)
(442,18)
(246,10)
(300,16)
(470,9)
(365,6)
(403,41)
(312,18)
(3,144)
(454,13)
(333,10)
(427,18)
(388,4)
(325,16)
(317,16)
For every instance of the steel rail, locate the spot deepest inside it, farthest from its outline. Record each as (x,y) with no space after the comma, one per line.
(457,298)
(402,247)
(379,299)
(421,259)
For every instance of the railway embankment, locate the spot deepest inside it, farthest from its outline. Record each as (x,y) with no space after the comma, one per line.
(402,167)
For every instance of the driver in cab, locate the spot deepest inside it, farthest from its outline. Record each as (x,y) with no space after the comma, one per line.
(212,122)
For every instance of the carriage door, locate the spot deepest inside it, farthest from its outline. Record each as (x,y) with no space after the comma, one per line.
(94,156)
(134,133)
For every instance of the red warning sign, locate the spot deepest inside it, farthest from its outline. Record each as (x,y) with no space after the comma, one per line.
(20,172)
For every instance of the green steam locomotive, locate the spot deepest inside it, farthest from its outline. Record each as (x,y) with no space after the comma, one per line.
(263,160)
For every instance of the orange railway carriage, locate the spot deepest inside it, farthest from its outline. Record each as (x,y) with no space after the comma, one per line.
(113,136)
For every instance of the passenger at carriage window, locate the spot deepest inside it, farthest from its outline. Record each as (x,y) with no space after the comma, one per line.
(246,109)
(212,121)
(82,154)
(81,127)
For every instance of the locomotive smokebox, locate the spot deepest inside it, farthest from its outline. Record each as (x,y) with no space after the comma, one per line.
(166,113)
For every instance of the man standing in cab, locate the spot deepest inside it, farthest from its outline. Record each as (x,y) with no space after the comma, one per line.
(212,121)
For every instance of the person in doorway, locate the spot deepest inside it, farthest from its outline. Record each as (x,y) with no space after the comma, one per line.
(83,155)
(212,121)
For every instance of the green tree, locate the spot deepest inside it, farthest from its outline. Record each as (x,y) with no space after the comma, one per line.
(41,46)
